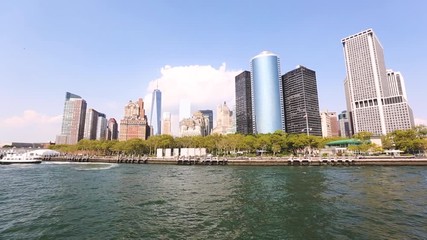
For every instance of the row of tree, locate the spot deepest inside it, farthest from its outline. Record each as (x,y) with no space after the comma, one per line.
(410,141)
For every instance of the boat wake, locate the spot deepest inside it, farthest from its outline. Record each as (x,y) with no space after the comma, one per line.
(86,166)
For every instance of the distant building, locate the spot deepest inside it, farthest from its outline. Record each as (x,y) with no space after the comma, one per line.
(267,95)
(301,102)
(209,115)
(134,123)
(73,120)
(167,124)
(112,129)
(243,114)
(224,120)
(344,125)
(91,123)
(156,111)
(330,127)
(374,101)
(194,126)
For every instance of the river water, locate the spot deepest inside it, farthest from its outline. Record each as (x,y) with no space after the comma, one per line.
(110,201)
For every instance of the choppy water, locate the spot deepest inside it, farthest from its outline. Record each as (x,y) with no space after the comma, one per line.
(107,201)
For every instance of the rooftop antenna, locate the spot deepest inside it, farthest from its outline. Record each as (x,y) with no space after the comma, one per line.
(157,87)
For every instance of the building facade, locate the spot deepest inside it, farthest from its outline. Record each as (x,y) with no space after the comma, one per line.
(371,96)
(134,123)
(267,95)
(329,121)
(91,123)
(101,128)
(156,111)
(243,114)
(194,126)
(224,120)
(301,102)
(73,120)
(344,125)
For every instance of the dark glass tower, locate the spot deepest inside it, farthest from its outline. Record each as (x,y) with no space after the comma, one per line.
(156,112)
(244,123)
(301,102)
(209,114)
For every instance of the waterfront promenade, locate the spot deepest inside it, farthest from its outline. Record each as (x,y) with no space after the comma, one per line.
(254,161)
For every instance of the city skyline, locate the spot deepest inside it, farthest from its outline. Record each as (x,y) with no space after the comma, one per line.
(46,53)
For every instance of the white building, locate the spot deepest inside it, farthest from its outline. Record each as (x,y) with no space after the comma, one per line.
(370,97)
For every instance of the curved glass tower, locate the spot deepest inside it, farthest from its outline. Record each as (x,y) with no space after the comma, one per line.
(267,95)
(156,111)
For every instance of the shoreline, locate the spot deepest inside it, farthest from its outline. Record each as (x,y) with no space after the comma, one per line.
(255,161)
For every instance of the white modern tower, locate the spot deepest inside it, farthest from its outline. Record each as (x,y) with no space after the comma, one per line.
(370,97)
(156,112)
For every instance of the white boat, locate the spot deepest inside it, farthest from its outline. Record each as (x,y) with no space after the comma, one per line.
(25,157)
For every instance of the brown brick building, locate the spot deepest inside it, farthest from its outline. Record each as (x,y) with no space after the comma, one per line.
(134,123)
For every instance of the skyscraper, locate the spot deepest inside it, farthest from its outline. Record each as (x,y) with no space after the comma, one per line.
(101,128)
(73,120)
(167,124)
(267,96)
(209,115)
(91,123)
(371,101)
(344,124)
(244,123)
(301,102)
(330,127)
(156,112)
(134,123)
(224,120)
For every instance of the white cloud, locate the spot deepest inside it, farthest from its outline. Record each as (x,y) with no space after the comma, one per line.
(420,121)
(31,126)
(204,86)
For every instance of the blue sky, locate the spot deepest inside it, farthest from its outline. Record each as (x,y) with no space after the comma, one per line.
(110,52)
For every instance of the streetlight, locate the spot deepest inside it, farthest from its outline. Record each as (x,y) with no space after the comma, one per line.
(306,124)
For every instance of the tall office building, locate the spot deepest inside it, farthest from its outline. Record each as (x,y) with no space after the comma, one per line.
(134,123)
(267,95)
(101,128)
(371,101)
(184,109)
(330,127)
(73,120)
(301,102)
(156,111)
(244,123)
(112,129)
(194,126)
(167,124)
(344,124)
(91,123)
(209,115)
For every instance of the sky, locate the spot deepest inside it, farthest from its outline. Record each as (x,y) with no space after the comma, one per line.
(110,52)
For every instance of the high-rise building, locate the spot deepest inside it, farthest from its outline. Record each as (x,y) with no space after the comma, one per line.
(91,123)
(267,95)
(224,120)
(209,115)
(371,98)
(134,123)
(301,102)
(184,109)
(329,121)
(112,129)
(344,124)
(156,111)
(194,126)
(101,129)
(167,124)
(73,120)
(244,123)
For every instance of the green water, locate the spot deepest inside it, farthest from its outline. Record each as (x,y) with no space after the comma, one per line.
(107,201)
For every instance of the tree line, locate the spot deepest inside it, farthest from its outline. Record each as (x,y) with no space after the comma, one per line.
(277,144)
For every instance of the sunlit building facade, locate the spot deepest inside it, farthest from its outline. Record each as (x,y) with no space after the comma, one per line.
(73,120)
(156,112)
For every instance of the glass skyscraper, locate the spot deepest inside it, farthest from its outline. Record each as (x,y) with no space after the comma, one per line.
(267,95)
(73,120)
(156,112)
